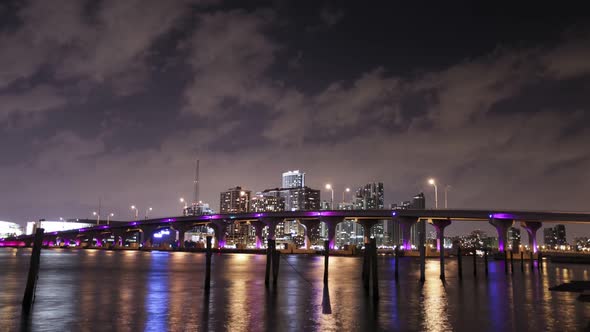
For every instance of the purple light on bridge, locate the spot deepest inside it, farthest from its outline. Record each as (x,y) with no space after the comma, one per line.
(394,213)
(133,223)
(215,216)
(105,227)
(328,213)
(82,230)
(501,216)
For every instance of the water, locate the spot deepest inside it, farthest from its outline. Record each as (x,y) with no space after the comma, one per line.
(94,290)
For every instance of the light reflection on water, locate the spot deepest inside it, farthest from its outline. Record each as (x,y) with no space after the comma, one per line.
(159,291)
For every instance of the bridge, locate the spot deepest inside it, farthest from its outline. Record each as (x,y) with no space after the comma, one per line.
(531,221)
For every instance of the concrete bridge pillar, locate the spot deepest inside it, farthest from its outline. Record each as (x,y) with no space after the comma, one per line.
(367,225)
(331,222)
(182,229)
(272,225)
(147,233)
(440,225)
(258,227)
(309,226)
(502,226)
(531,228)
(220,230)
(405,224)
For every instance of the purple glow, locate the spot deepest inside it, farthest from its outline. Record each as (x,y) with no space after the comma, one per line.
(502,216)
(327,213)
(105,227)
(133,223)
(82,230)
(258,215)
(215,216)
(406,244)
(394,213)
(12,244)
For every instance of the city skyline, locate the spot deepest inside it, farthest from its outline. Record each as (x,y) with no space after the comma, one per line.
(496,106)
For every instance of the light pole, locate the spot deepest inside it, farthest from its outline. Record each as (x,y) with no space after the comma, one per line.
(432,182)
(347,190)
(97,217)
(447,188)
(133,207)
(147,211)
(329,187)
(184,202)
(109,218)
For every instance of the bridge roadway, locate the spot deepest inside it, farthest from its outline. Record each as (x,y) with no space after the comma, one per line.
(531,221)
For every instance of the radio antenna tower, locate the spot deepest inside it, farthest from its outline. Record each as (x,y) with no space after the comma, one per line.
(196,195)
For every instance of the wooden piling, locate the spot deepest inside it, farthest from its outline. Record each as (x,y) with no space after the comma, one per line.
(511,262)
(539,260)
(367,266)
(396,262)
(33,272)
(374,269)
(460,262)
(268,261)
(275,263)
(522,261)
(532,261)
(326,260)
(208,254)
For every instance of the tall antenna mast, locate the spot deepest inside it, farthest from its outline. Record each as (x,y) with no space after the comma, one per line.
(196,197)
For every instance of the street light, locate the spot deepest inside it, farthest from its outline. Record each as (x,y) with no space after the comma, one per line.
(133,207)
(329,187)
(183,201)
(109,218)
(147,212)
(432,182)
(97,217)
(347,190)
(447,188)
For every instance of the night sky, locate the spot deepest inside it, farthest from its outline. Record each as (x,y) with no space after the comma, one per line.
(116,99)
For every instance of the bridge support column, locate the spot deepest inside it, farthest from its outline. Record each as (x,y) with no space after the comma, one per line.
(272,225)
(440,225)
(146,234)
(332,222)
(405,224)
(531,228)
(258,227)
(367,226)
(220,229)
(309,226)
(182,229)
(502,226)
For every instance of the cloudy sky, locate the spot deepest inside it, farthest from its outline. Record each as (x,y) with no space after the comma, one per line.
(116,99)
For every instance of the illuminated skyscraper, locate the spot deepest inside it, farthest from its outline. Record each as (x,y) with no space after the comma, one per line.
(293,179)
(234,200)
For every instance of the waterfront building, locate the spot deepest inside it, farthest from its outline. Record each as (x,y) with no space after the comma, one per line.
(197,209)
(267,203)
(9,229)
(296,199)
(369,197)
(555,236)
(293,179)
(514,238)
(58,225)
(234,200)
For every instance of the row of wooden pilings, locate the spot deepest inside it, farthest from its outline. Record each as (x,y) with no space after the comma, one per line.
(506,254)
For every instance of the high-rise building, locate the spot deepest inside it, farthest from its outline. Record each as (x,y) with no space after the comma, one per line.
(234,200)
(293,179)
(555,236)
(514,238)
(369,197)
(549,237)
(267,203)
(296,199)
(560,235)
